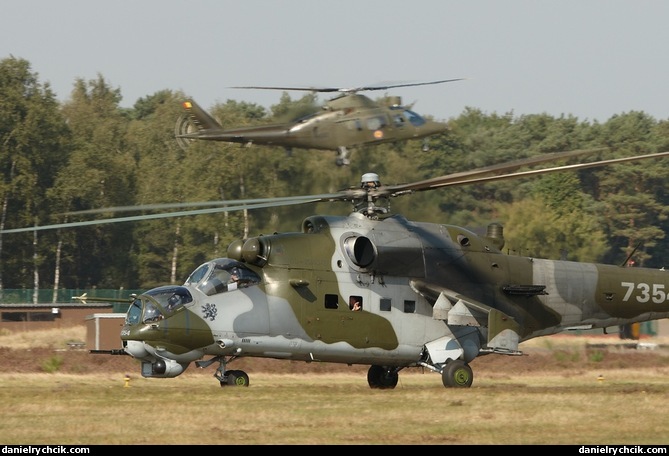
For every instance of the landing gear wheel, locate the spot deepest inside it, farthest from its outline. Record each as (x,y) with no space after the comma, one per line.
(457,374)
(237,378)
(342,156)
(380,377)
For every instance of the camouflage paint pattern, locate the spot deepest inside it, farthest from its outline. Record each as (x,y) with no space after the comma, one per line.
(432,295)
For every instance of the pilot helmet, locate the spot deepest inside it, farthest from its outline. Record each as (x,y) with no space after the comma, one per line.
(370,178)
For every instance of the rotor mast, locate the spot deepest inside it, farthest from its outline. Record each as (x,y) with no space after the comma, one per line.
(366,204)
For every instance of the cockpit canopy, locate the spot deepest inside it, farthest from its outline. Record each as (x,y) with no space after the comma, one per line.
(414,118)
(222,274)
(156,303)
(216,276)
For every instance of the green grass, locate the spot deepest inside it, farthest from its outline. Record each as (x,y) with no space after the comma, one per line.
(596,408)
(52,364)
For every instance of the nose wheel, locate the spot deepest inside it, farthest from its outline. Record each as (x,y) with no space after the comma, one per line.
(234,378)
(226,377)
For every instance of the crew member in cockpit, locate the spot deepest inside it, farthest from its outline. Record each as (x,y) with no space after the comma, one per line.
(233,283)
(173,302)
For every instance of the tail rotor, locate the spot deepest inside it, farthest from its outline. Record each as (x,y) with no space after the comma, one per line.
(184,126)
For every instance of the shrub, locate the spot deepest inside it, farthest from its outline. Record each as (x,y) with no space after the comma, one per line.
(52,364)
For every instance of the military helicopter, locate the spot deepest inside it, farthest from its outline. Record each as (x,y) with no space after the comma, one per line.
(374,288)
(346,121)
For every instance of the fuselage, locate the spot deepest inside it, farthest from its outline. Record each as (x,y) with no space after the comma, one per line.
(429,293)
(330,130)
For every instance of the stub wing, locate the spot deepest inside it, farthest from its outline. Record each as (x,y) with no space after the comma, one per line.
(503,331)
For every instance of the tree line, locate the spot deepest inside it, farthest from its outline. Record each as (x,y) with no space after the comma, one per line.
(88,153)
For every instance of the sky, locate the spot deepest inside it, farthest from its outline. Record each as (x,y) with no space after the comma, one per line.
(591,59)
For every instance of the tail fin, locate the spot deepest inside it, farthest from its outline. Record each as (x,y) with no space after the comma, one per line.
(193,123)
(199,117)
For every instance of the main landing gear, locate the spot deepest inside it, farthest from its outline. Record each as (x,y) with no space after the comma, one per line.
(342,156)
(457,374)
(381,377)
(454,374)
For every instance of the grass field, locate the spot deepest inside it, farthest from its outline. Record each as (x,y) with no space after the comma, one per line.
(557,396)
(616,407)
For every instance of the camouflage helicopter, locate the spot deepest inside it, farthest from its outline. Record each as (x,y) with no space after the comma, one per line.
(374,288)
(346,121)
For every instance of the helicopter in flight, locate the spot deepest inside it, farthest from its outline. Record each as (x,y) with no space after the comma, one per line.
(374,288)
(349,120)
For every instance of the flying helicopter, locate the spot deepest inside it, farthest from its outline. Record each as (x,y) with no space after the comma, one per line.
(430,295)
(346,121)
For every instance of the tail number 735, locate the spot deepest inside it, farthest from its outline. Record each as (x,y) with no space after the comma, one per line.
(645,292)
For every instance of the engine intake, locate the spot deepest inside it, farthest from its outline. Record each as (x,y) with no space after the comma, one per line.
(400,257)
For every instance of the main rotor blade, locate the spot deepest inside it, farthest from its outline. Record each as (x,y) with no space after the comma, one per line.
(453,180)
(135,218)
(348,90)
(449,179)
(355,194)
(392,86)
(278,201)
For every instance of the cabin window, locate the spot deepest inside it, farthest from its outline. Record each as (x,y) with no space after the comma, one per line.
(331,301)
(376,123)
(385,304)
(355,303)
(409,306)
(355,125)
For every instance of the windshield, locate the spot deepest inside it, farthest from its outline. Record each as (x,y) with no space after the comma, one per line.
(134,314)
(415,119)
